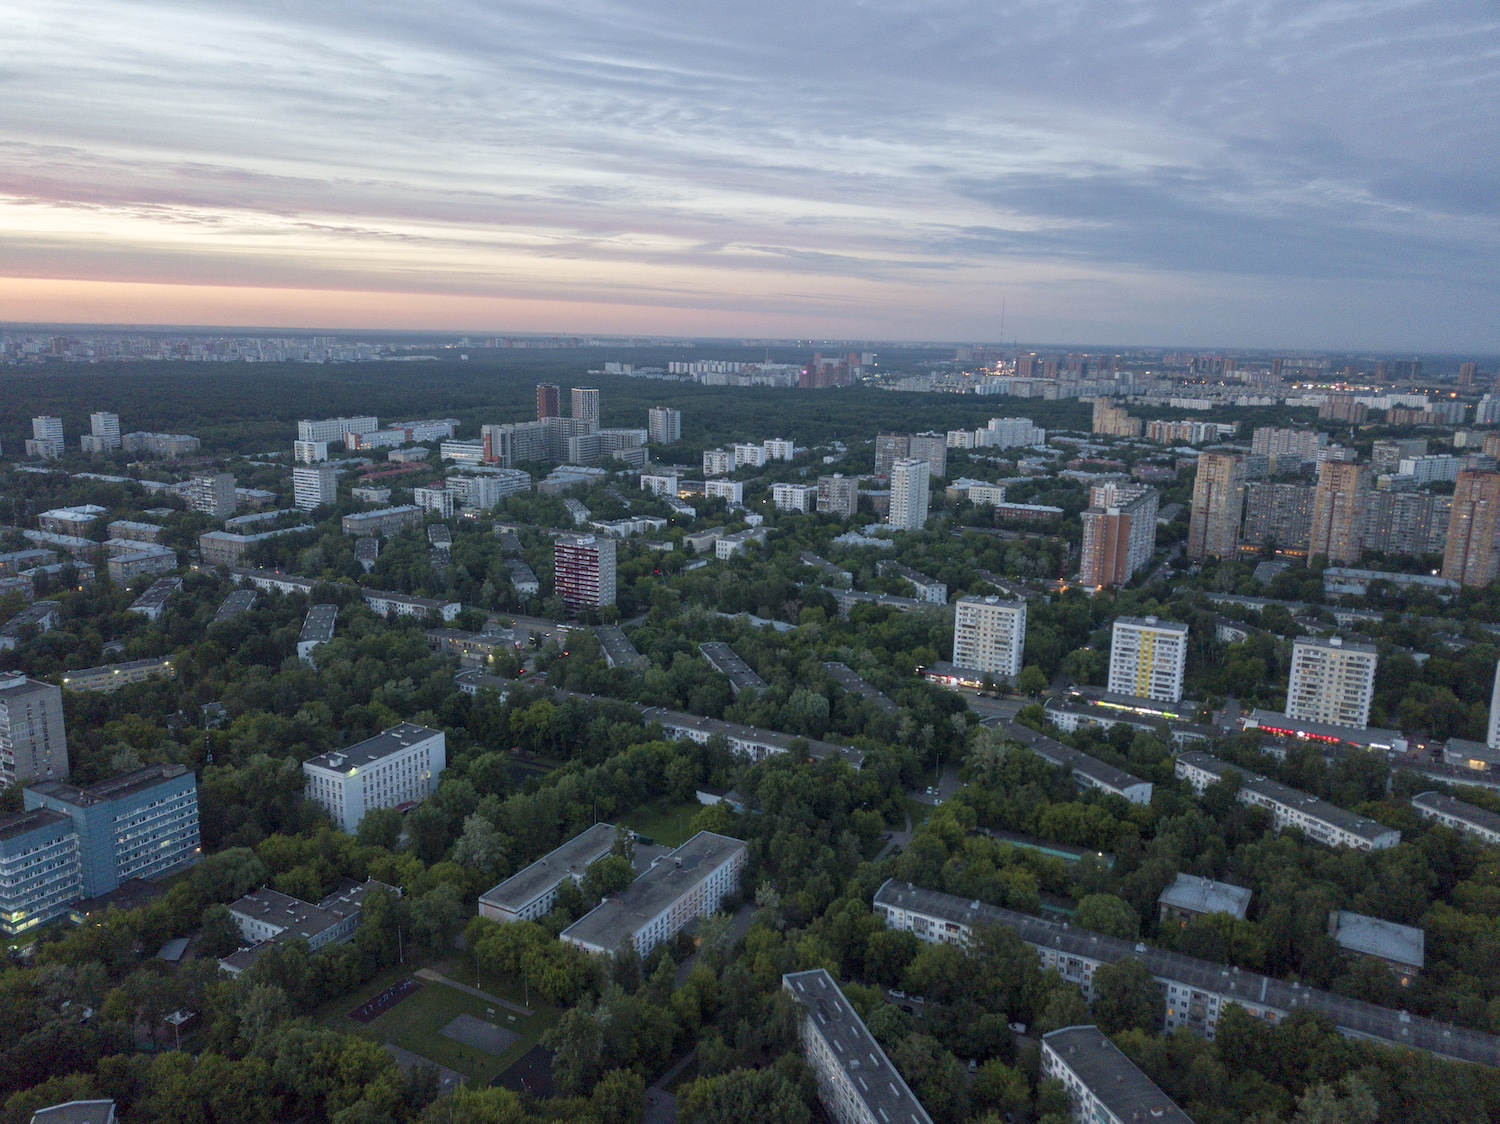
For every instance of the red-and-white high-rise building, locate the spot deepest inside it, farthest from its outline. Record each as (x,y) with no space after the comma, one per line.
(584,571)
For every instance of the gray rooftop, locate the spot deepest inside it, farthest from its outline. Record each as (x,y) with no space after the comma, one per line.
(1336,643)
(158,592)
(885,1094)
(22,822)
(240,601)
(855,684)
(127,784)
(1112,1077)
(623,915)
(1065,756)
(618,650)
(1350,1015)
(15,686)
(1204,895)
(1290,797)
(76,1112)
(676,719)
(1440,802)
(1154,622)
(538,879)
(1371,936)
(34,613)
(1273,720)
(318,627)
(383,744)
(725,660)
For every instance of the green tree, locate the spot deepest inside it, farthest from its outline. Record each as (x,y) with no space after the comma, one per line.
(607,876)
(619,1098)
(1107,914)
(380,827)
(1127,997)
(219,935)
(1032,681)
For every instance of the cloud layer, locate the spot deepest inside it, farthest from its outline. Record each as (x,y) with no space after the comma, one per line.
(1244,172)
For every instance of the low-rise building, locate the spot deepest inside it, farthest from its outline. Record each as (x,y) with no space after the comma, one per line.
(1104,1086)
(728,546)
(76,1112)
(1358,737)
(1190,896)
(382,521)
(405,605)
(730,491)
(153,602)
(1317,819)
(40,615)
(1402,948)
(124,567)
(1088,772)
(472,648)
(689,883)
(1481,823)
(926,589)
(749,742)
(794,497)
(240,601)
(136,532)
(317,629)
(857,1083)
(855,684)
(523,578)
(396,768)
(728,663)
(617,648)
(530,893)
(266,917)
(112,677)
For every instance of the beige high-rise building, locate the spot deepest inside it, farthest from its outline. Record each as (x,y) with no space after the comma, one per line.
(1218,501)
(1114,421)
(1338,511)
(1471,557)
(1331,682)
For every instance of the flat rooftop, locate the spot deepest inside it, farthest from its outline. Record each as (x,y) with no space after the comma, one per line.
(318,627)
(623,914)
(16,686)
(157,593)
(1372,936)
(885,1094)
(383,744)
(117,788)
(1056,753)
(571,859)
(1290,797)
(1112,1077)
(725,660)
(1440,802)
(240,601)
(851,681)
(1155,623)
(1204,895)
(22,822)
(618,650)
(76,1112)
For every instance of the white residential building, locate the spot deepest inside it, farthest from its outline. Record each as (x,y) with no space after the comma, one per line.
(397,767)
(310,452)
(779,449)
(1009,433)
(731,490)
(794,497)
(749,456)
(664,425)
(1147,657)
(481,493)
(856,1081)
(1104,1086)
(46,440)
(909,486)
(439,501)
(1331,681)
(213,495)
(717,462)
(530,893)
(989,634)
(333,430)
(315,485)
(104,433)
(659,484)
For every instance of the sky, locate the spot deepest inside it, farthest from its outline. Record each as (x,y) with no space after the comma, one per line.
(1233,173)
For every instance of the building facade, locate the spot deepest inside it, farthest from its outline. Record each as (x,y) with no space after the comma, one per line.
(1119,534)
(33,738)
(663,425)
(909,494)
(794,497)
(396,767)
(1281,514)
(989,634)
(932,448)
(838,495)
(1338,512)
(213,494)
(137,825)
(1470,557)
(1147,658)
(1331,681)
(584,571)
(1218,500)
(889,448)
(1103,1085)
(315,486)
(530,893)
(41,873)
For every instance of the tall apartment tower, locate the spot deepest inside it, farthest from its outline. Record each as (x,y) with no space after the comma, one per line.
(909,482)
(1331,682)
(103,435)
(213,495)
(932,448)
(1466,373)
(989,634)
(584,571)
(315,485)
(1338,511)
(838,495)
(1470,557)
(1119,534)
(586,406)
(1281,513)
(33,740)
(889,448)
(1218,499)
(1147,658)
(663,425)
(46,439)
(547,401)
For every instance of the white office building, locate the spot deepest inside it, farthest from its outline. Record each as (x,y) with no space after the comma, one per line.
(749,456)
(315,485)
(779,449)
(1331,681)
(794,497)
(909,480)
(989,634)
(395,768)
(731,490)
(857,1083)
(1147,657)
(663,425)
(333,430)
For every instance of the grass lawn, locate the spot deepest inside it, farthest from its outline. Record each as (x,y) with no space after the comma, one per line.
(664,822)
(416,1022)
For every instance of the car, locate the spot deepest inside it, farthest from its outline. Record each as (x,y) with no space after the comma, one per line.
(931,791)
(1019,1028)
(973,1065)
(897,993)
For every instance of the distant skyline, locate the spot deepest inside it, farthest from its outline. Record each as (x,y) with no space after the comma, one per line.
(1322,175)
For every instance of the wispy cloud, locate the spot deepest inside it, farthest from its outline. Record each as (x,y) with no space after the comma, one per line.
(1245,171)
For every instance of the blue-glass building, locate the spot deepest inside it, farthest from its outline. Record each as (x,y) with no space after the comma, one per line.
(41,873)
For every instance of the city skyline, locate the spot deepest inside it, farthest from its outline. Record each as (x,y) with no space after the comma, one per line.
(1155,173)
